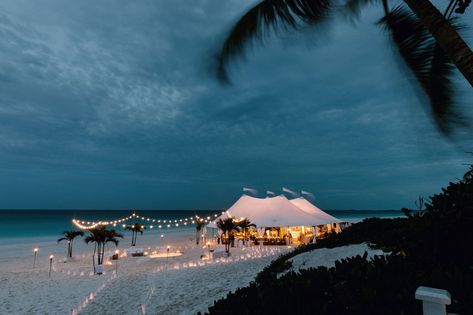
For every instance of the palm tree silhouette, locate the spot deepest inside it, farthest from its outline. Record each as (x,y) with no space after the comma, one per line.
(228,226)
(199,224)
(427,40)
(100,236)
(244,226)
(70,236)
(135,229)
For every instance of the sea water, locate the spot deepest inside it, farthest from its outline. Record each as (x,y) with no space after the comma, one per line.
(24,224)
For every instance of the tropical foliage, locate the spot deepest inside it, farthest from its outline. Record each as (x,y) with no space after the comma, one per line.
(69,236)
(244,225)
(429,248)
(228,226)
(199,225)
(135,229)
(100,236)
(426,40)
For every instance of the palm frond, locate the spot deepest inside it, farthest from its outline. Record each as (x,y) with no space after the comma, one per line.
(262,19)
(89,239)
(428,63)
(61,239)
(354,7)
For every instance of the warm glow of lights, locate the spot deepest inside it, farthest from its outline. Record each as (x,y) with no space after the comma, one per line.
(87,225)
(164,255)
(51,257)
(35,249)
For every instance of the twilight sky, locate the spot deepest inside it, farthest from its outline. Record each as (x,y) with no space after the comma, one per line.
(113,104)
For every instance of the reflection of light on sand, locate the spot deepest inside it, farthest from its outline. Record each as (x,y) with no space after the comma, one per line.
(164,255)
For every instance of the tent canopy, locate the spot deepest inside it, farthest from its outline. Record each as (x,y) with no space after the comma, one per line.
(310,208)
(273,211)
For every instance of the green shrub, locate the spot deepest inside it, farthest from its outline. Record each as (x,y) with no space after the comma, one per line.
(430,248)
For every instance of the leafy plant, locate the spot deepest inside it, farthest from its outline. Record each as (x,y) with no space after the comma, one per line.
(430,249)
(199,225)
(100,236)
(244,225)
(135,229)
(69,236)
(427,41)
(228,226)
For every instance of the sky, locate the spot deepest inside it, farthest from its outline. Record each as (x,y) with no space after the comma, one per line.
(115,105)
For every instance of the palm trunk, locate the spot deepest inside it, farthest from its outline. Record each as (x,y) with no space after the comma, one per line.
(103,253)
(227,242)
(197,236)
(93,256)
(70,249)
(100,254)
(446,36)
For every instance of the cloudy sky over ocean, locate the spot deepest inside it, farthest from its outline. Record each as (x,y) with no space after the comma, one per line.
(114,104)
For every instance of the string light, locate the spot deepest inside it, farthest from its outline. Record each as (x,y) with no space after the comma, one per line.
(87,225)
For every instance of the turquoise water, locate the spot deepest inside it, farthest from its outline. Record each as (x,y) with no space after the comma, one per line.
(38,223)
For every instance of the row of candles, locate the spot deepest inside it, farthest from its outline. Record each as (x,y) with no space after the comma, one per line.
(117,252)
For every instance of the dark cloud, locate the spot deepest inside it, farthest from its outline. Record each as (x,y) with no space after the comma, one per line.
(112,104)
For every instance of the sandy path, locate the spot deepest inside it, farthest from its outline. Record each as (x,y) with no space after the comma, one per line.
(186,290)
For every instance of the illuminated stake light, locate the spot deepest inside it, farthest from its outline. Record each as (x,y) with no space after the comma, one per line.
(50,264)
(35,251)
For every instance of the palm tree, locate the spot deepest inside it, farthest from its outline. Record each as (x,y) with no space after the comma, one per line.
(135,229)
(70,236)
(228,226)
(100,236)
(428,42)
(199,224)
(245,225)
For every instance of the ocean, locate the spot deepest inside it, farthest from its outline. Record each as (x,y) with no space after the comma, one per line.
(25,224)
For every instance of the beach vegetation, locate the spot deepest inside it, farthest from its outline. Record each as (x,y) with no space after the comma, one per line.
(199,225)
(100,236)
(135,229)
(429,248)
(69,236)
(228,227)
(245,225)
(428,42)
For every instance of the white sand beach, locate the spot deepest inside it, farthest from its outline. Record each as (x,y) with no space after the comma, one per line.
(184,285)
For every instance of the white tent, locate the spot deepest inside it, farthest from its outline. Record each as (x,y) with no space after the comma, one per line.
(273,212)
(310,208)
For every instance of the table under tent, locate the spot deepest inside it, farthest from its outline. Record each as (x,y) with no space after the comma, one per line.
(280,221)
